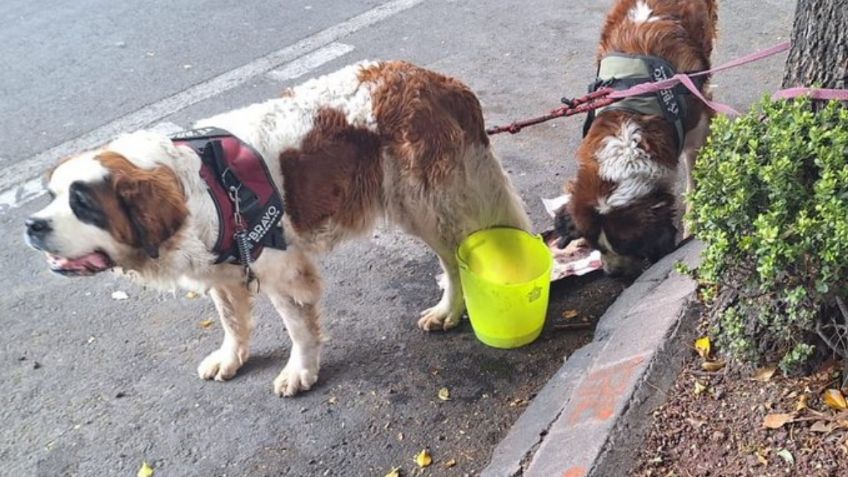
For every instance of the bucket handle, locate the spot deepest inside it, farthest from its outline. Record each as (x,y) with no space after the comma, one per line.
(462,263)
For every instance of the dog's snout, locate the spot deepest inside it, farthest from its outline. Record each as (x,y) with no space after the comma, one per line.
(37,228)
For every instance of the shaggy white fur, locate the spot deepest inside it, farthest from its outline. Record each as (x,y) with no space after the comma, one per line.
(641,13)
(630,167)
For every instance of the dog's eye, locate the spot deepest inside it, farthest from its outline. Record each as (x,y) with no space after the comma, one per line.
(85,205)
(80,199)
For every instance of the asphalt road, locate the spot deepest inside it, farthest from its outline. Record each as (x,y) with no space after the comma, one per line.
(94,386)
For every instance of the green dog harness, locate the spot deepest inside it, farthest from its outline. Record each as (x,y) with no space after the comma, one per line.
(621,71)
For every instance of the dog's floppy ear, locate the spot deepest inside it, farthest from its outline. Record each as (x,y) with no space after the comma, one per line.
(154,203)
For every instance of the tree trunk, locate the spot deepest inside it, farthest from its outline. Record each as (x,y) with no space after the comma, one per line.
(819,54)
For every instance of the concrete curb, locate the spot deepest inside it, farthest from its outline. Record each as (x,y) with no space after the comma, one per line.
(594,405)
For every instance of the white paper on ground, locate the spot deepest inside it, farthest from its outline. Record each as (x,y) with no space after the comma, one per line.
(553,205)
(578,267)
(576,259)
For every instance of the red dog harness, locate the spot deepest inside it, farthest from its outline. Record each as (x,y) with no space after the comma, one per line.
(249,205)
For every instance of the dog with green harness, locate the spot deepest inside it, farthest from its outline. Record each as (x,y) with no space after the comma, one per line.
(622,200)
(621,71)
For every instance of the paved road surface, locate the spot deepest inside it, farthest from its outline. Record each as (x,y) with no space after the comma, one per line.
(94,386)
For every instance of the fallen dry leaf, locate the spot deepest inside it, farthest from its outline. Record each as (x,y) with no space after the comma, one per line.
(761,458)
(822,426)
(450,463)
(764,375)
(704,347)
(394,472)
(699,388)
(444,394)
(786,456)
(423,458)
(712,366)
(696,423)
(191,295)
(835,400)
(569,314)
(517,402)
(802,403)
(332,400)
(207,323)
(145,470)
(776,421)
(119,295)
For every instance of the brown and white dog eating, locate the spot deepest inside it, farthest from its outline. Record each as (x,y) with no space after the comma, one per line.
(372,141)
(622,200)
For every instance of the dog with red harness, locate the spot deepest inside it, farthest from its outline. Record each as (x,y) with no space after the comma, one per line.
(622,201)
(249,199)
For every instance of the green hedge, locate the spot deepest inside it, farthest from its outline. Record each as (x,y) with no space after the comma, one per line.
(771,204)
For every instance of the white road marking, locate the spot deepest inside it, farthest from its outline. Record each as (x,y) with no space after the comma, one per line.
(34,188)
(309,62)
(167,128)
(13,176)
(22,194)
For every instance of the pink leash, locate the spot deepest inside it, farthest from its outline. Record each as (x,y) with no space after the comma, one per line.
(815,93)
(605,96)
(686,80)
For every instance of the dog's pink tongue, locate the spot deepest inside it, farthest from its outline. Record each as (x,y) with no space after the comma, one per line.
(92,261)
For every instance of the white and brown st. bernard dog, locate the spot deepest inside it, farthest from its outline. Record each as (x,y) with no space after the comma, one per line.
(371,141)
(622,199)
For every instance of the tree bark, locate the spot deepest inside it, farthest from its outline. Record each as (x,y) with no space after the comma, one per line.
(819,53)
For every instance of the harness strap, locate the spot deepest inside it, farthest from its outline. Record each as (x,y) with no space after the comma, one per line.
(250,208)
(621,71)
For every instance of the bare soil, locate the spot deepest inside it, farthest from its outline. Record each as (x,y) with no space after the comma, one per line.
(713,424)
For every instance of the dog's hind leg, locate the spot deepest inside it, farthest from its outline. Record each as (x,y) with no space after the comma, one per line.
(480,197)
(234,303)
(294,287)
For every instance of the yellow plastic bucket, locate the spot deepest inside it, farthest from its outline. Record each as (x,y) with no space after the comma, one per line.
(506,280)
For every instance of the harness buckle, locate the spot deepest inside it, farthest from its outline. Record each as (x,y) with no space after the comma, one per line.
(599,83)
(233,191)
(229,180)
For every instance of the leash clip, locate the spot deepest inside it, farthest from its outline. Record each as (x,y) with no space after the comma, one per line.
(243,245)
(568,102)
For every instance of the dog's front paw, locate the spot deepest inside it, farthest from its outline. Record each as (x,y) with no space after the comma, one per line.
(221,364)
(294,379)
(564,227)
(439,317)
